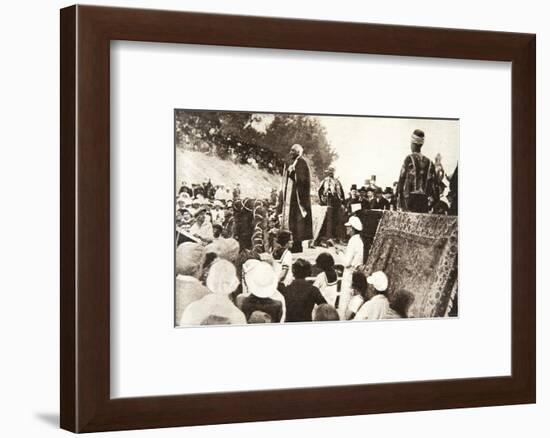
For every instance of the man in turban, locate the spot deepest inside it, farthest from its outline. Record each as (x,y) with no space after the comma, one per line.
(295,198)
(417,188)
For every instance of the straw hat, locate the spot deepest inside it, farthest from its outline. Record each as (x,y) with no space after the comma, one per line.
(260,279)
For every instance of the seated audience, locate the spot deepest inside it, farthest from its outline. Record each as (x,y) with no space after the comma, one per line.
(301,296)
(221,281)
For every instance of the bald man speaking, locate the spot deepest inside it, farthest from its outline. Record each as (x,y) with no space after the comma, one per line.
(295,198)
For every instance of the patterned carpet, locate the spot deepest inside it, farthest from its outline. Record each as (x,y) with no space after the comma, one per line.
(419,253)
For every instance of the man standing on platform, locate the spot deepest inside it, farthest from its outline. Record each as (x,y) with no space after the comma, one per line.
(417,188)
(295,198)
(331,194)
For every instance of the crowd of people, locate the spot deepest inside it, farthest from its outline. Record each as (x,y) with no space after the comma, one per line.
(238,151)
(423,187)
(220,282)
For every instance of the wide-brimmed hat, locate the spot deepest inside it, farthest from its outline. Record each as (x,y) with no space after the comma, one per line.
(388,191)
(379,281)
(222,277)
(189,258)
(227,249)
(218,203)
(353,187)
(355,223)
(260,279)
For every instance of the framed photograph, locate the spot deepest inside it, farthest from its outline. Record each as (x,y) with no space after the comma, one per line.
(262,218)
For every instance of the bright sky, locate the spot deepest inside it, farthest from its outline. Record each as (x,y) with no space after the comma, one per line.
(377,146)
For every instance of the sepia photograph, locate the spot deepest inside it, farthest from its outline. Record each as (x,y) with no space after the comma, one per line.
(298,218)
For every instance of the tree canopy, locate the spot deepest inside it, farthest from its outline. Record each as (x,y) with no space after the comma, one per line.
(277,132)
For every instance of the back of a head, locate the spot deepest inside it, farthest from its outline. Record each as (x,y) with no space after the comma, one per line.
(215,320)
(301,269)
(222,277)
(325,261)
(359,282)
(227,249)
(417,139)
(189,259)
(283,237)
(325,312)
(401,301)
(259,317)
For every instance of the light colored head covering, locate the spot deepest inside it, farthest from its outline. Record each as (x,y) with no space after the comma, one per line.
(222,278)
(355,223)
(417,137)
(188,290)
(189,259)
(227,249)
(260,279)
(379,280)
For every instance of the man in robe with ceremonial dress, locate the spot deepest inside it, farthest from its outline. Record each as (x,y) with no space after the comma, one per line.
(295,198)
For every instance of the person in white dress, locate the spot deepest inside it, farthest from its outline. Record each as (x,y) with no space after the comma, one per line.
(327,280)
(352,259)
(283,257)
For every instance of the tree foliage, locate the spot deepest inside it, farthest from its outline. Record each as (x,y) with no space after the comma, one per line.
(276,132)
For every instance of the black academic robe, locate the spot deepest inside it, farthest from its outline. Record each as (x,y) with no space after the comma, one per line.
(295,205)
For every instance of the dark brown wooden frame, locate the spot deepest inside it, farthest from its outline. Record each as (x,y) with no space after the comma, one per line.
(86,33)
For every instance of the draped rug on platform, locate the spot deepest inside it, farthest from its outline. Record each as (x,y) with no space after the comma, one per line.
(419,253)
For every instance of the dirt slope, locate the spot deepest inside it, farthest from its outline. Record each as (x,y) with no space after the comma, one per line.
(196,167)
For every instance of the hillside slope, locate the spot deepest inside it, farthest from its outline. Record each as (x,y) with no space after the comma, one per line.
(196,167)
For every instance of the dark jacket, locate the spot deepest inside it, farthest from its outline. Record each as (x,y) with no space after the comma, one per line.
(300,297)
(272,307)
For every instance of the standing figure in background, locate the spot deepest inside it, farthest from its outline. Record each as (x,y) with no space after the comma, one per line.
(417,188)
(353,203)
(331,195)
(237,192)
(388,194)
(295,198)
(379,202)
(453,193)
(440,175)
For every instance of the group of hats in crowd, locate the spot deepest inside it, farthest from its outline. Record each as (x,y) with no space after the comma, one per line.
(213,284)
